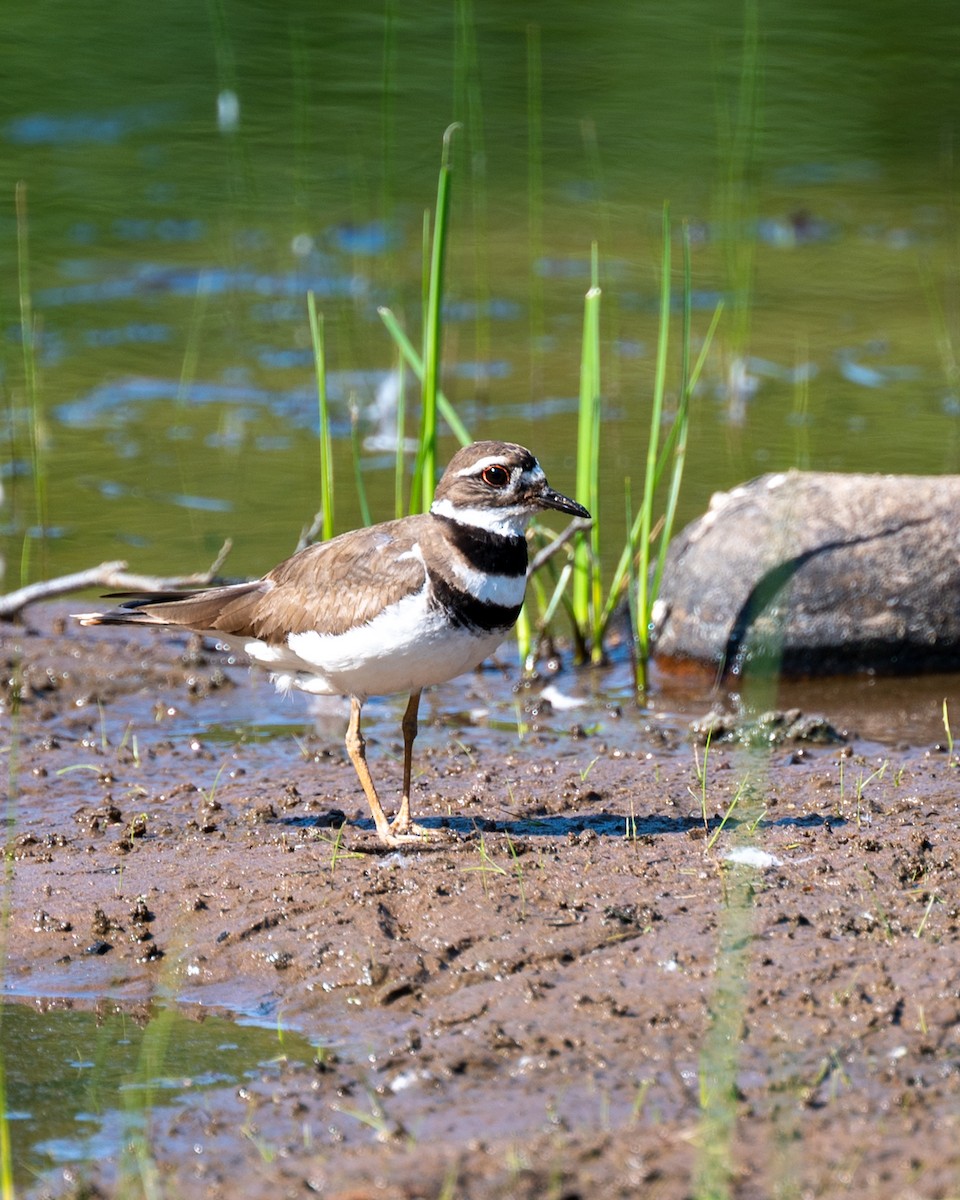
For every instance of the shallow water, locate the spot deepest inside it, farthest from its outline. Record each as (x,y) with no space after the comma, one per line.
(177,213)
(81,1085)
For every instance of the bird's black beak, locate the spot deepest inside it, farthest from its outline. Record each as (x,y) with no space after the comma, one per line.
(550,499)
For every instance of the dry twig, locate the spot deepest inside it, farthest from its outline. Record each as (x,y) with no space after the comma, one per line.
(577,525)
(113,575)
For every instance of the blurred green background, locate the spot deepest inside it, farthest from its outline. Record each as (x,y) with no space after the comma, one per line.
(186,173)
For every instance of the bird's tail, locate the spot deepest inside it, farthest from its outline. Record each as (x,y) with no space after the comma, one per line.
(216,609)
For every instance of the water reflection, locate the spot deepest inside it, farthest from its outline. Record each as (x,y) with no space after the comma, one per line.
(80,1085)
(171,244)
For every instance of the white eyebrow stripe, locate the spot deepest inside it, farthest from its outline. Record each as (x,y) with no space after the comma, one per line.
(492,460)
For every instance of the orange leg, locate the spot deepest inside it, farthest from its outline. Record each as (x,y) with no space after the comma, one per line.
(402,830)
(356,748)
(402,822)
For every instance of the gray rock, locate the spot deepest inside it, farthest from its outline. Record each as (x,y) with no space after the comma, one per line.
(812,573)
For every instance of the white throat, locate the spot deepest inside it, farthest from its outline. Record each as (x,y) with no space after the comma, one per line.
(507,522)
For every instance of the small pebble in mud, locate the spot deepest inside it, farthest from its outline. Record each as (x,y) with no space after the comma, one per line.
(101,923)
(262,813)
(98,947)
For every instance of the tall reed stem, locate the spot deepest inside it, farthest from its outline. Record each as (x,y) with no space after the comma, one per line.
(425,470)
(326,442)
(644,602)
(587,584)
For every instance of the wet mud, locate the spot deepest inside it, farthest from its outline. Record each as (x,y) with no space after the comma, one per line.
(621,966)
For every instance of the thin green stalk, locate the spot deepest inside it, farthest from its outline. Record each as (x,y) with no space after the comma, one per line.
(720,1046)
(399,467)
(326,442)
(424,476)
(671,438)
(681,426)
(586,582)
(918,932)
(646,508)
(415,363)
(626,564)
(728,814)
(559,591)
(626,576)
(524,635)
(355,447)
(7,1191)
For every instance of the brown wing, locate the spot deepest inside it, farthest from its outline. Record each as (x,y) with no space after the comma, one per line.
(347,581)
(328,587)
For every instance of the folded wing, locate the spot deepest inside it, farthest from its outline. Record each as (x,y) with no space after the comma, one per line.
(328,588)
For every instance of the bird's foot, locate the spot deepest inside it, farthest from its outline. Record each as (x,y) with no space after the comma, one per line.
(409,830)
(402,832)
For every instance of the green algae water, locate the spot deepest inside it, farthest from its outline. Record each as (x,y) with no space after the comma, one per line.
(82,1086)
(182,184)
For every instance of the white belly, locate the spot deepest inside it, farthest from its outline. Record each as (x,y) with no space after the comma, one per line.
(407,647)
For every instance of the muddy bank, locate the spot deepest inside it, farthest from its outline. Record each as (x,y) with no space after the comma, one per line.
(572,991)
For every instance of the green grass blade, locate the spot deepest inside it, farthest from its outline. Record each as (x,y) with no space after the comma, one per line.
(426,467)
(623,572)
(415,363)
(680,429)
(646,507)
(399,461)
(326,443)
(586,581)
(357,470)
(7,1191)
(524,634)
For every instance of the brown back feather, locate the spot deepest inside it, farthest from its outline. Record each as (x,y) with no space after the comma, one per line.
(347,581)
(329,588)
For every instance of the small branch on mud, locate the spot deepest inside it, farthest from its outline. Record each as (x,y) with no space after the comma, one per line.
(113,575)
(577,525)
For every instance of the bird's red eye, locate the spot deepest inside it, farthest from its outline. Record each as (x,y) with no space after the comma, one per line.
(495,476)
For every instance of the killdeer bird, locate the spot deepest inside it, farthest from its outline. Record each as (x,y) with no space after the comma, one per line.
(389,609)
